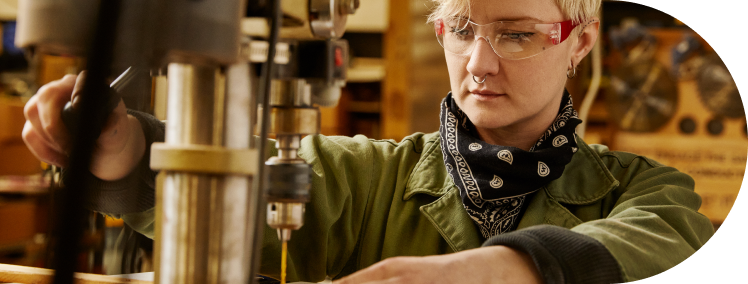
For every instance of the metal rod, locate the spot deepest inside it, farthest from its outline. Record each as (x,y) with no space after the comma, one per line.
(70,205)
(267,74)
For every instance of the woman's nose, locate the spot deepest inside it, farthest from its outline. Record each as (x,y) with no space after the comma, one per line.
(483,60)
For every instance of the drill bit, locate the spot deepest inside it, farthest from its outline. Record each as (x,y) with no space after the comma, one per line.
(284,253)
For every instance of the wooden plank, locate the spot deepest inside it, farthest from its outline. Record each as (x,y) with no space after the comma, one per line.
(396,85)
(25,274)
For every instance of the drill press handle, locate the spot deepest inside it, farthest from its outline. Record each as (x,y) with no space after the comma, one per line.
(70,115)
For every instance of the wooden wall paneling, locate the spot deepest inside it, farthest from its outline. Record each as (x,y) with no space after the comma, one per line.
(396,85)
(430,77)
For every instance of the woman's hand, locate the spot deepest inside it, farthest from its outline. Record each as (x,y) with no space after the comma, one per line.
(496,264)
(119,148)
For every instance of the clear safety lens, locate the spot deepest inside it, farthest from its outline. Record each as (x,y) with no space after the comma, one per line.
(510,40)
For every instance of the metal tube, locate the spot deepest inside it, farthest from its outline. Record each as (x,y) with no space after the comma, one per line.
(239,199)
(192,204)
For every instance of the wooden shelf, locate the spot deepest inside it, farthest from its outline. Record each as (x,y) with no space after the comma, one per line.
(364,107)
(366,70)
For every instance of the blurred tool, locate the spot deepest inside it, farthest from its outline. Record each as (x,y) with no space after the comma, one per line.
(209,206)
(680,106)
(644,94)
(717,89)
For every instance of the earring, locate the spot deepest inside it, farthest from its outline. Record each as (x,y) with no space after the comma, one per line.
(573,74)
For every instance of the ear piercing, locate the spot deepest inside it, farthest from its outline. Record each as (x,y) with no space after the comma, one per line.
(572,75)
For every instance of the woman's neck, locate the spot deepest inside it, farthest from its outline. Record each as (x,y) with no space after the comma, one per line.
(522,134)
(522,138)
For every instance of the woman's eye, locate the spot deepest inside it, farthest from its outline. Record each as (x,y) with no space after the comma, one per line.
(517,36)
(461,32)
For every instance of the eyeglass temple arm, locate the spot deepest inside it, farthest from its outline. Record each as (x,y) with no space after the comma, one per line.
(566,27)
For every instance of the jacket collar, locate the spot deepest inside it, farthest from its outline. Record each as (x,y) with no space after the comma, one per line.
(586,179)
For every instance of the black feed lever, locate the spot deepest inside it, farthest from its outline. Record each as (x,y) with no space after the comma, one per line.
(70,115)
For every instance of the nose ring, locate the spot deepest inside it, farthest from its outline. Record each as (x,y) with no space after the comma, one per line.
(481,82)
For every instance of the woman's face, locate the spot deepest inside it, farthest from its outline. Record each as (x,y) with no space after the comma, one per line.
(517,95)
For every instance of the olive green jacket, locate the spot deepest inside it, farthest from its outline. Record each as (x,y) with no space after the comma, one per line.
(374,199)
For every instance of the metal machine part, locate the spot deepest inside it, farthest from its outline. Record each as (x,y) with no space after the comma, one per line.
(208,212)
(149,34)
(312,19)
(307,79)
(328,17)
(288,177)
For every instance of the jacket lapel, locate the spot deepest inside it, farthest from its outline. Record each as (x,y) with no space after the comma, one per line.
(453,223)
(585,180)
(447,213)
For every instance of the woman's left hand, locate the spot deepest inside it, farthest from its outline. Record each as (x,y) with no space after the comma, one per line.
(496,264)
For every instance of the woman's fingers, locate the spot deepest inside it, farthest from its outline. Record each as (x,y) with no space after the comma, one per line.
(40,148)
(31,112)
(52,99)
(43,112)
(77,88)
(386,270)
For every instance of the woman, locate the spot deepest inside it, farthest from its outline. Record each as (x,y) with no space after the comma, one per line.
(504,193)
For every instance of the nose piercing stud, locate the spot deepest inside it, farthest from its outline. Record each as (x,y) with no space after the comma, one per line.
(481,82)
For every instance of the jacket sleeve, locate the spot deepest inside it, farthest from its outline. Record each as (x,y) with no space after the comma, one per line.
(648,224)
(135,192)
(652,223)
(563,256)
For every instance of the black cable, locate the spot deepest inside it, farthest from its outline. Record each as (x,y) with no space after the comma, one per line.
(268,69)
(70,201)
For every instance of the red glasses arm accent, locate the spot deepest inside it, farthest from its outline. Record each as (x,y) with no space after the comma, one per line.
(566,27)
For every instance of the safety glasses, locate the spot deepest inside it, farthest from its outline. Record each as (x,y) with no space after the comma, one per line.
(509,40)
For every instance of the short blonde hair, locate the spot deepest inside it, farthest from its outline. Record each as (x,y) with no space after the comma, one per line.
(579,11)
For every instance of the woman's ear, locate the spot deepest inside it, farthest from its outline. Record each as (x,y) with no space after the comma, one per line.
(585,42)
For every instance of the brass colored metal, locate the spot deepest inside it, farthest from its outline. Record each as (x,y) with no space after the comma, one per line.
(284,260)
(203,159)
(190,208)
(300,121)
(204,196)
(291,93)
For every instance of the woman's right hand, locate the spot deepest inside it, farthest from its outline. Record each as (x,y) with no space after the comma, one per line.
(118,150)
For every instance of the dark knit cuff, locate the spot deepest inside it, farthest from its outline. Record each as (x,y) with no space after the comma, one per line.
(563,256)
(136,191)
(154,131)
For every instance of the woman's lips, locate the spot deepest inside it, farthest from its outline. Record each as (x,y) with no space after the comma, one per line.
(485,95)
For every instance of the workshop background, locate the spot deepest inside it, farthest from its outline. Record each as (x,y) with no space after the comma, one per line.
(663,92)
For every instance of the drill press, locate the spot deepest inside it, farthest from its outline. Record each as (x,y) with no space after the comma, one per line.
(208,213)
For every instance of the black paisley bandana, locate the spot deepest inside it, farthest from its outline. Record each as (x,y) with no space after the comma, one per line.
(496,182)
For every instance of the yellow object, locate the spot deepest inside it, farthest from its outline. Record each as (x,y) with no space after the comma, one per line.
(284,252)
(111,222)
